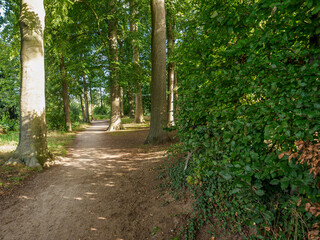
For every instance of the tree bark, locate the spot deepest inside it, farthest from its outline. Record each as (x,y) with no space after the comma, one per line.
(91,102)
(171,65)
(84,118)
(65,95)
(158,80)
(176,95)
(139,118)
(130,101)
(121,102)
(101,103)
(32,149)
(115,121)
(86,101)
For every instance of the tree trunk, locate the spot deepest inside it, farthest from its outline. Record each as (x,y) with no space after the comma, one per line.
(91,102)
(101,103)
(86,101)
(65,95)
(171,65)
(158,81)
(138,95)
(139,108)
(130,101)
(84,118)
(176,95)
(32,149)
(115,121)
(121,102)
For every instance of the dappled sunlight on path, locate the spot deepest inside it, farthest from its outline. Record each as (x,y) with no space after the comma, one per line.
(105,188)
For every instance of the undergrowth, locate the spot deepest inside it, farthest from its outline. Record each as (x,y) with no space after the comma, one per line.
(248,118)
(276,214)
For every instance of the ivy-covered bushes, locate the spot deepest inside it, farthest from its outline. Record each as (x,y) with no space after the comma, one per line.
(249,95)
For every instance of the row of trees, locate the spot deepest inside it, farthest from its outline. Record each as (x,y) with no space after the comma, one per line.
(248,113)
(90,48)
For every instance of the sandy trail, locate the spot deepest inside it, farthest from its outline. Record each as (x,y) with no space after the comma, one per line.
(106,188)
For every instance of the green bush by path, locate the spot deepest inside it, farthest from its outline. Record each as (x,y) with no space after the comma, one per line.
(249,92)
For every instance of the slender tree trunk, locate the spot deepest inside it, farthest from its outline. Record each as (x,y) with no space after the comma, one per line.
(32,149)
(84,118)
(130,101)
(176,95)
(86,101)
(121,102)
(171,65)
(121,58)
(91,102)
(65,95)
(101,102)
(115,121)
(139,108)
(158,81)
(138,95)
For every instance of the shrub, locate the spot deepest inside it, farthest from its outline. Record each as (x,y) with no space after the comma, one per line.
(249,83)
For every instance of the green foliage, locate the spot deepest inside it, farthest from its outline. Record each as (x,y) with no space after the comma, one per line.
(7,124)
(104,110)
(10,138)
(249,82)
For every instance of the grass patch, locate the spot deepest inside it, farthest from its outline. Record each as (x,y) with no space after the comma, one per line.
(126,120)
(58,142)
(12,175)
(100,117)
(118,133)
(10,138)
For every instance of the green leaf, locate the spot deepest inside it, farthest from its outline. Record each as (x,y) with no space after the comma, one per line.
(236,190)
(284,184)
(248,168)
(214,14)
(225,175)
(274,182)
(260,192)
(316,10)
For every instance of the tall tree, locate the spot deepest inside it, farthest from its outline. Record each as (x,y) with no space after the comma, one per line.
(158,81)
(65,94)
(121,102)
(138,95)
(115,119)
(84,116)
(171,63)
(91,102)
(32,149)
(86,100)
(130,102)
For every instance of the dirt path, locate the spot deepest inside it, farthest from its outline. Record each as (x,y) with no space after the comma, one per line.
(106,188)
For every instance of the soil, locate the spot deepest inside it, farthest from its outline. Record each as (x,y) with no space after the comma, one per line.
(106,188)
